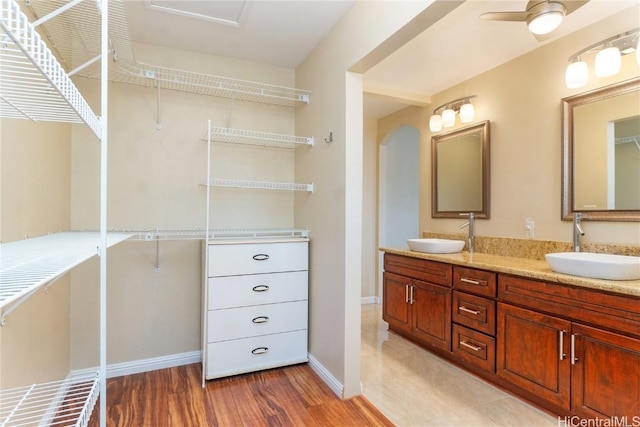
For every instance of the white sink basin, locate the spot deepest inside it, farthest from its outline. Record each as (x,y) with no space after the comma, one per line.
(595,266)
(435,246)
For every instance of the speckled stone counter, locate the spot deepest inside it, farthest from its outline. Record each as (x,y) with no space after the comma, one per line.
(531,268)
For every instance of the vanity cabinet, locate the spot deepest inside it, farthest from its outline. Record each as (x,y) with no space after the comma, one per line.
(417,299)
(256,312)
(557,345)
(473,313)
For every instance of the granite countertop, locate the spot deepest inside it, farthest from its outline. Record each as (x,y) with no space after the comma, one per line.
(534,269)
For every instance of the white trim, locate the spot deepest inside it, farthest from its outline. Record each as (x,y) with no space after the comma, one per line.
(144,365)
(326,376)
(369,300)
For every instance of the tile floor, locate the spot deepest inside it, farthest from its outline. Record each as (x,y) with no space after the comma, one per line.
(412,387)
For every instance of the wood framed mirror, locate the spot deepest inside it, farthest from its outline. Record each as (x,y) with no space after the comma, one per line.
(460,172)
(601,153)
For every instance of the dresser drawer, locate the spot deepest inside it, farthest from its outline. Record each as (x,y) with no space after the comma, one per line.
(257,258)
(243,322)
(238,291)
(422,269)
(477,282)
(475,312)
(251,354)
(474,348)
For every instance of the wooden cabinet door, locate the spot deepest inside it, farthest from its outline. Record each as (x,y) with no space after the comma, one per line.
(605,375)
(431,313)
(533,353)
(395,294)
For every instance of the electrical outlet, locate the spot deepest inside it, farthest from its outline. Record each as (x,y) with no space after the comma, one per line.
(529,225)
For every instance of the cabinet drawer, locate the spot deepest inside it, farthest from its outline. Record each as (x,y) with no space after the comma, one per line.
(421,269)
(243,322)
(478,282)
(238,291)
(475,312)
(474,348)
(257,258)
(251,354)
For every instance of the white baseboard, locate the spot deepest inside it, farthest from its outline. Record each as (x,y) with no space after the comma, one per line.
(369,300)
(326,376)
(144,365)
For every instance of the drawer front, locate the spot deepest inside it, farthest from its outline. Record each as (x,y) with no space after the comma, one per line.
(477,282)
(238,291)
(428,271)
(474,348)
(475,312)
(243,322)
(251,354)
(257,258)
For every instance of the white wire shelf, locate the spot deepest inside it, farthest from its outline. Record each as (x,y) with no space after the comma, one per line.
(29,264)
(67,402)
(259,185)
(249,137)
(226,233)
(205,84)
(33,84)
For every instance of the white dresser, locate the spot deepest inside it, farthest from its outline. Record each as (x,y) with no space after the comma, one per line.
(256,310)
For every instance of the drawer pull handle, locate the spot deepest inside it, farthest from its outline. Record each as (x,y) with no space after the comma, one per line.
(470,281)
(260,288)
(261,257)
(561,344)
(260,350)
(260,319)
(468,310)
(472,347)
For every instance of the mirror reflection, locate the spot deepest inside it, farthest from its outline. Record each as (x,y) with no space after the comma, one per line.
(601,154)
(460,172)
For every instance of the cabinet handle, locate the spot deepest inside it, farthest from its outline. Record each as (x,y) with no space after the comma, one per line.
(574,359)
(260,288)
(471,346)
(562,353)
(260,319)
(261,257)
(406,293)
(411,301)
(260,350)
(468,310)
(471,281)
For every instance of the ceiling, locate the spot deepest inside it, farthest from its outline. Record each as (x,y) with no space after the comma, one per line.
(283,33)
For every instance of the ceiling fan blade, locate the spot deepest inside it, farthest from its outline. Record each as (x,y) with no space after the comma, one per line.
(505,16)
(572,5)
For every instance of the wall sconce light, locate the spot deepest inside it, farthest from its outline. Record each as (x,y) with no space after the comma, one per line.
(448,116)
(608,59)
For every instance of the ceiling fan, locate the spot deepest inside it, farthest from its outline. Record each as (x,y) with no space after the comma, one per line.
(541,16)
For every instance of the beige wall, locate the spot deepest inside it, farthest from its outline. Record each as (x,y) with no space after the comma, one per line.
(369,209)
(35,200)
(522,99)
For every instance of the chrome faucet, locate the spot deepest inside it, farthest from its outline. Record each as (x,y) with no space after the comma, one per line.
(577,231)
(469,223)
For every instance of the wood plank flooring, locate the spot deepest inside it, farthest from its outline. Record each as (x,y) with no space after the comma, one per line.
(290,396)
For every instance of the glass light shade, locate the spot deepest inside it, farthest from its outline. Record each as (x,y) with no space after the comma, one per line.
(467,113)
(608,62)
(435,123)
(577,74)
(545,23)
(448,118)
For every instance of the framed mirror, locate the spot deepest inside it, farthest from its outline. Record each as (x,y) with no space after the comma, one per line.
(460,172)
(601,153)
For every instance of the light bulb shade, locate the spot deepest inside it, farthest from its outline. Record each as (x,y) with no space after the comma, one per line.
(546,22)
(448,118)
(435,123)
(576,75)
(608,62)
(467,113)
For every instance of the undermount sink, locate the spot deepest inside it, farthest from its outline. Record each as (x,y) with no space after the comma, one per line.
(435,246)
(595,266)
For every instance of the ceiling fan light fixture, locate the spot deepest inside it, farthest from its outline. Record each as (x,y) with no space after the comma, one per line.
(608,62)
(545,22)
(577,74)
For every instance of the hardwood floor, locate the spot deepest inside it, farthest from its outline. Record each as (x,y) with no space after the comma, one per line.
(290,396)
